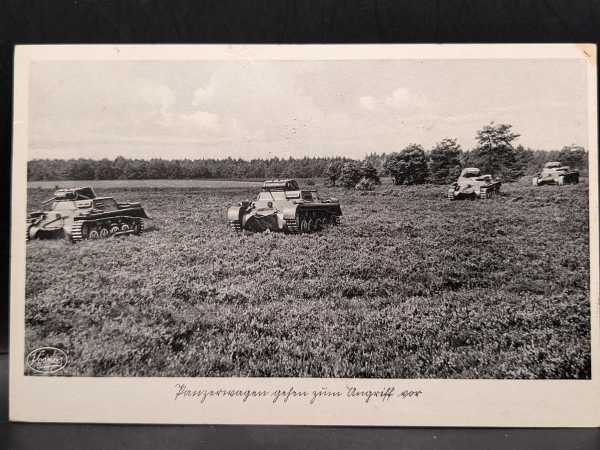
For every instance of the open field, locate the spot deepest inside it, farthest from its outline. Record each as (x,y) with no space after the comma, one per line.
(112,184)
(409,285)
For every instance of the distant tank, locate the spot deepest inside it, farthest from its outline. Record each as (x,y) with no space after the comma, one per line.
(77,214)
(556,173)
(282,206)
(471,184)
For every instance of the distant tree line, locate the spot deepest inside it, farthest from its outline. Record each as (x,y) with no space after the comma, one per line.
(494,153)
(140,169)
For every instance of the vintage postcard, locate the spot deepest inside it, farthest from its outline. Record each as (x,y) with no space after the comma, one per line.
(305,234)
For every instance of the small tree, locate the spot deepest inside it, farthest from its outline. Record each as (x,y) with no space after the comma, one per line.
(574,156)
(333,172)
(495,153)
(369,172)
(523,161)
(350,174)
(409,166)
(444,165)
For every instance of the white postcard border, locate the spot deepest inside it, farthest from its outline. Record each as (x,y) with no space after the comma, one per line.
(506,403)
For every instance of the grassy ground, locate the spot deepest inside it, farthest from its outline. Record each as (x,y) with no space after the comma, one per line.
(410,285)
(99,185)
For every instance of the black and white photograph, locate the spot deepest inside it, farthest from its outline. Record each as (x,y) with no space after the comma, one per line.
(385,219)
(356,218)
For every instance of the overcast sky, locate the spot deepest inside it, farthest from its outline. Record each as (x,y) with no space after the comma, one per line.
(214,109)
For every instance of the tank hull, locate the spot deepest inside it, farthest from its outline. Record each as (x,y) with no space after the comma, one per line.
(299,219)
(562,179)
(457,191)
(81,224)
(289,211)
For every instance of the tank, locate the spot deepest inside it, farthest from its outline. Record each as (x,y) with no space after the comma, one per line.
(471,184)
(282,206)
(77,214)
(554,172)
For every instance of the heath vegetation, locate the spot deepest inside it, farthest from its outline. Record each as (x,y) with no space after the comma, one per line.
(409,285)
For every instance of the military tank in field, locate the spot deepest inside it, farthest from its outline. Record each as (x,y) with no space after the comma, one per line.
(471,184)
(282,206)
(555,172)
(77,214)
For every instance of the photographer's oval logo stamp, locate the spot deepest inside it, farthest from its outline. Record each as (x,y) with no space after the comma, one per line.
(46,360)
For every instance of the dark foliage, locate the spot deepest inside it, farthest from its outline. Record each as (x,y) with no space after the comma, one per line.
(444,162)
(409,166)
(574,156)
(153,169)
(369,172)
(495,153)
(350,174)
(333,172)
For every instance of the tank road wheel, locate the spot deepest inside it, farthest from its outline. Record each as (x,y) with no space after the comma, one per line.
(104,233)
(83,231)
(304,225)
(125,228)
(318,224)
(114,229)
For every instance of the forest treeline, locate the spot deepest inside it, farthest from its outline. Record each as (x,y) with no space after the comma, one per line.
(141,169)
(495,154)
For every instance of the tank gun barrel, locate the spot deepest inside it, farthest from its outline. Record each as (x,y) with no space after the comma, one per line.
(50,200)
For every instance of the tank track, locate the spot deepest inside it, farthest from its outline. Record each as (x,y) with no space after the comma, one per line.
(77,229)
(293,225)
(489,192)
